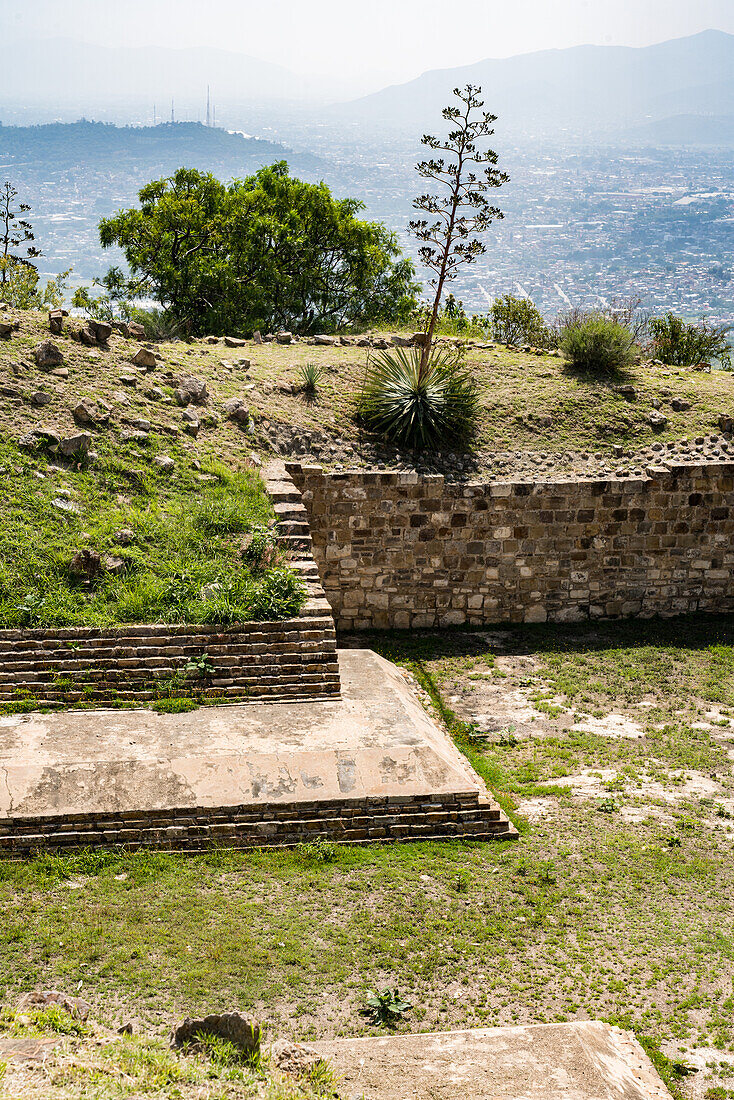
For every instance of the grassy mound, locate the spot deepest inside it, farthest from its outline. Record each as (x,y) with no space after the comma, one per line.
(120,541)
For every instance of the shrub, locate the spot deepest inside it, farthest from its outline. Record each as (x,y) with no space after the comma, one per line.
(519,321)
(681,344)
(598,344)
(432,407)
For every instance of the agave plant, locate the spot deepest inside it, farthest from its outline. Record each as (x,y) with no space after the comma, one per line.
(419,405)
(310,378)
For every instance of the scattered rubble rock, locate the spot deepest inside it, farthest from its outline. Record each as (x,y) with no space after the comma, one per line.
(144,357)
(322,340)
(257,336)
(56,320)
(131,330)
(75,446)
(294,1058)
(86,563)
(679,405)
(114,565)
(235,342)
(164,463)
(234,409)
(101,330)
(192,391)
(76,1007)
(7,328)
(48,355)
(39,437)
(231,1026)
(39,398)
(657,421)
(124,536)
(88,414)
(284,337)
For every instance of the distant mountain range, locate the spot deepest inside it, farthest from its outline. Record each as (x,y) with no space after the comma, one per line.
(67,71)
(588,92)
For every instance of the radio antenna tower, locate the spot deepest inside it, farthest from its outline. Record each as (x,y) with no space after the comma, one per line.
(208,107)
(173,114)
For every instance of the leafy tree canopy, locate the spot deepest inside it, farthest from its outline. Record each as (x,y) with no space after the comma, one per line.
(267,252)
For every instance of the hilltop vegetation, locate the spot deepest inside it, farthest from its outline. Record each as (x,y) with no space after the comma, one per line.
(531,402)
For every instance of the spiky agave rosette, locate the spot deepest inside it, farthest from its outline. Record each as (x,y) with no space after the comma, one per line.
(433,406)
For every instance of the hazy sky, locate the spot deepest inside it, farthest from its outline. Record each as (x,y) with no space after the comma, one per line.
(366,41)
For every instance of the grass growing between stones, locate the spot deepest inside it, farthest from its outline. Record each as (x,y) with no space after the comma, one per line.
(614,747)
(164,537)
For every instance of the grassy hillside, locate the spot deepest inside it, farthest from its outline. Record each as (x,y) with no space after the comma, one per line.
(139,529)
(532,404)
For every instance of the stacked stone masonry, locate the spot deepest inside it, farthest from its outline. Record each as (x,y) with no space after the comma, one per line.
(352,821)
(405,550)
(290,659)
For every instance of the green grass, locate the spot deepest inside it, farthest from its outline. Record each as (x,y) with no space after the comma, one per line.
(93,1064)
(589,914)
(187,534)
(518,393)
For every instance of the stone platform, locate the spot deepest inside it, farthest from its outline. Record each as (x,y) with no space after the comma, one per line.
(584,1060)
(368,766)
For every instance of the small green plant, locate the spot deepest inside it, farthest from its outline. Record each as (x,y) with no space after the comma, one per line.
(310,378)
(433,406)
(682,344)
(598,345)
(202,667)
(607,806)
(319,851)
(386,1008)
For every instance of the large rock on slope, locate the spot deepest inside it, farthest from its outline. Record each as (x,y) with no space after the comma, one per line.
(47,355)
(192,391)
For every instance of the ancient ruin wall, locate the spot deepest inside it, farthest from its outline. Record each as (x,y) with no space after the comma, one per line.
(406,550)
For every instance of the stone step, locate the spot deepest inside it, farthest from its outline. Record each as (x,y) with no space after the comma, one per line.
(263,826)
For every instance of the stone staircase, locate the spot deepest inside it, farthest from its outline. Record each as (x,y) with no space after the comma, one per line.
(347,821)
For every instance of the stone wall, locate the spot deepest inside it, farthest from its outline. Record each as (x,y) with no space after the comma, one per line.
(406,550)
(295,658)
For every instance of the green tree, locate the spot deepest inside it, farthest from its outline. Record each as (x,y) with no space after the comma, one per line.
(266,252)
(16,235)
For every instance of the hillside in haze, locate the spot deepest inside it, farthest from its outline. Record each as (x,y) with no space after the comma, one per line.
(167,146)
(64,71)
(584,91)
(74,174)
